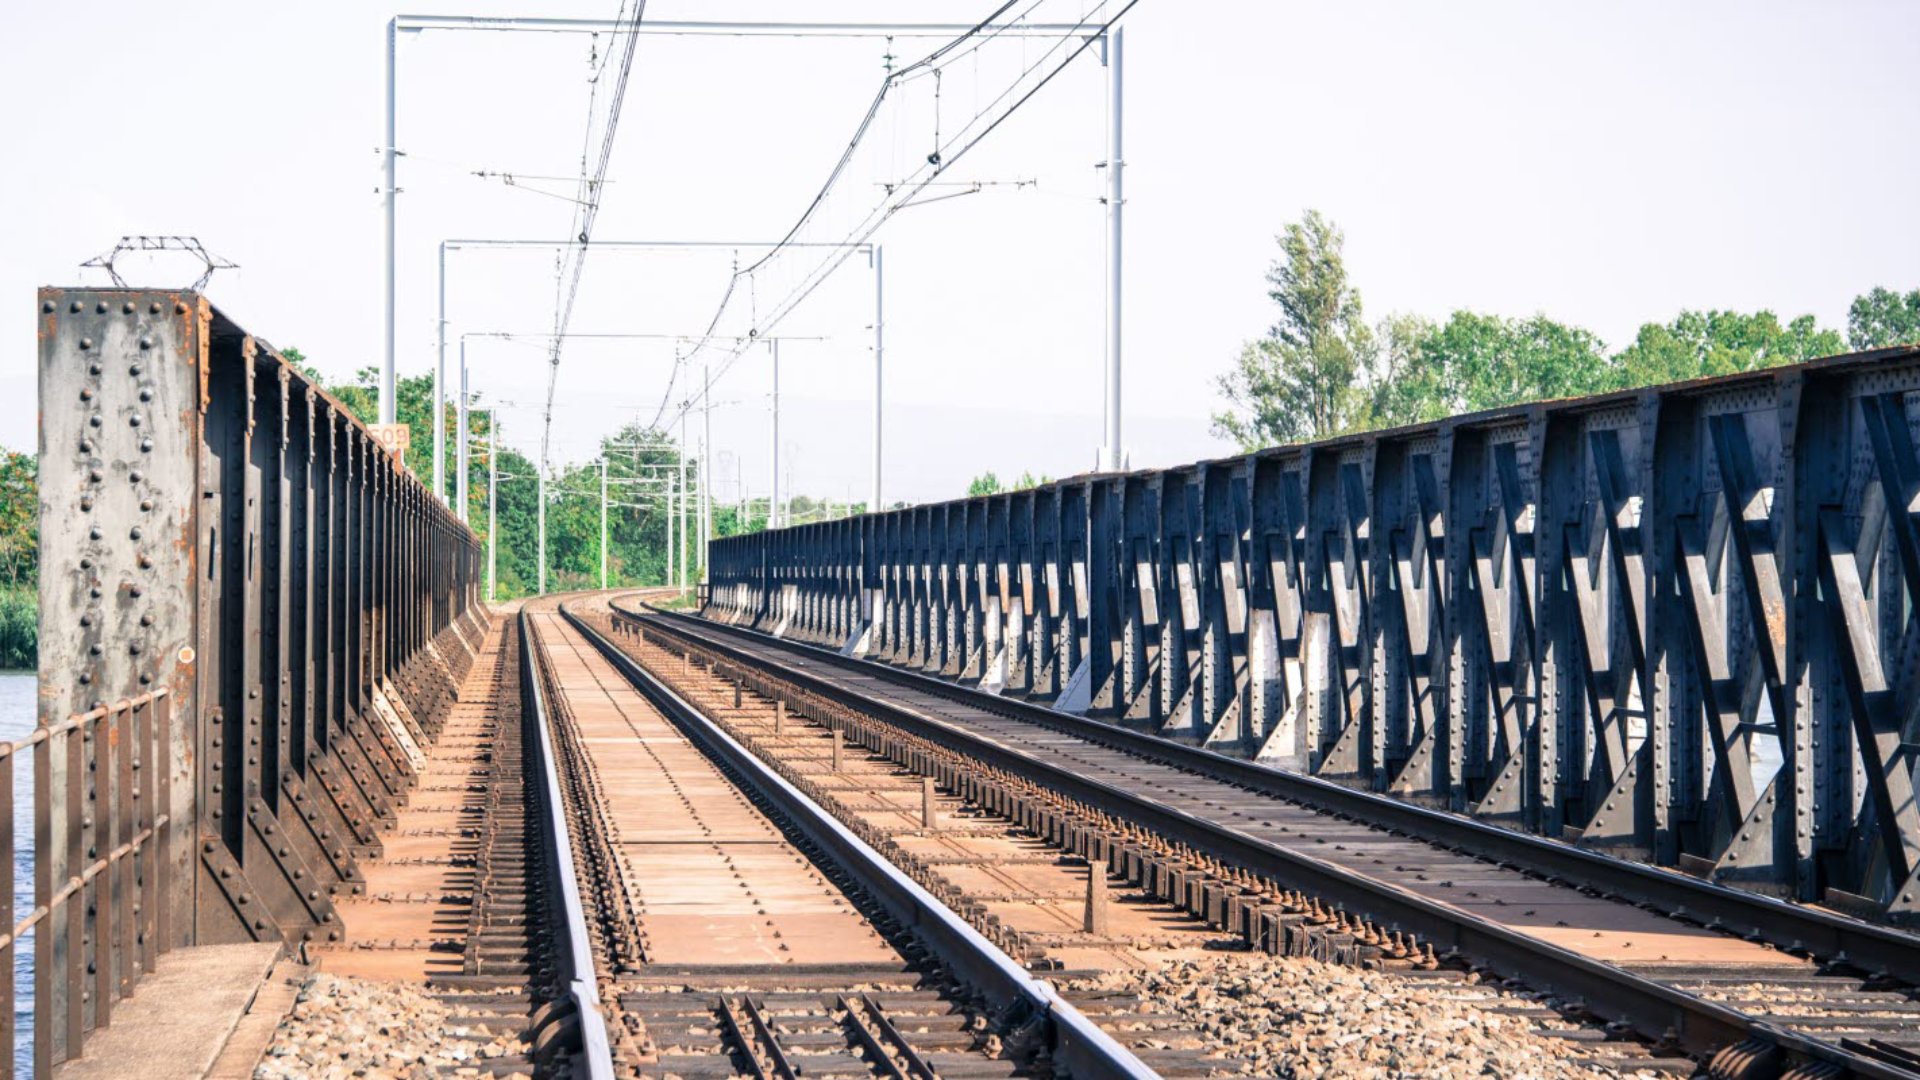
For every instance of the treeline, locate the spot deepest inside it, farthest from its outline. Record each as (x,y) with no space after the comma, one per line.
(1324,370)
(639,461)
(19,559)
(987,483)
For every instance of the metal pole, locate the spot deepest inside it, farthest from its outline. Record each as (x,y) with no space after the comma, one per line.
(773,507)
(493,497)
(706,461)
(680,501)
(667,497)
(388,411)
(460,452)
(1116,164)
(540,472)
(879,354)
(439,389)
(603,522)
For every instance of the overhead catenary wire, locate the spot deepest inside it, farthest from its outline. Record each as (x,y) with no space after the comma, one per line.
(1005,103)
(587,202)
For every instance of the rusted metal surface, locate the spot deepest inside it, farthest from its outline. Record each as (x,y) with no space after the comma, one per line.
(218,532)
(1210,841)
(1672,624)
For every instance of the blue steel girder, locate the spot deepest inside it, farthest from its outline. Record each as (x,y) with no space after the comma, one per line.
(1676,623)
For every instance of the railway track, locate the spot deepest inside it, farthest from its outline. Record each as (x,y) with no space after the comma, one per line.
(735,930)
(1104,948)
(1746,986)
(450,929)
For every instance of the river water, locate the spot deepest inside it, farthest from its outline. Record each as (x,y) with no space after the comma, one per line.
(17,719)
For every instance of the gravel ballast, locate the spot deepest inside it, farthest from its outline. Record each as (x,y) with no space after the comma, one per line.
(342,1028)
(1296,1018)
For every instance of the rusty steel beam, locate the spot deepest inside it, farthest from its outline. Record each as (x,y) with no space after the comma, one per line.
(223,544)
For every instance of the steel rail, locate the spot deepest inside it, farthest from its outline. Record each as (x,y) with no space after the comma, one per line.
(582,983)
(1875,949)
(1078,1044)
(1655,1010)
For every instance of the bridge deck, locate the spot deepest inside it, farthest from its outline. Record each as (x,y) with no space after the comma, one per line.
(412,919)
(712,880)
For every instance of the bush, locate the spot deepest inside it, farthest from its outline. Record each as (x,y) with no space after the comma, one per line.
(19,628)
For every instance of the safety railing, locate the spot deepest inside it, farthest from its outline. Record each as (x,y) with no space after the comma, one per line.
(114,925)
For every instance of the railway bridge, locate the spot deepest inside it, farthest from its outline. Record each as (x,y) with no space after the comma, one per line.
(1571,739)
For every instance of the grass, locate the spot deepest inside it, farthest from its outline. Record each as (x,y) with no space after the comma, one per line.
(19,627)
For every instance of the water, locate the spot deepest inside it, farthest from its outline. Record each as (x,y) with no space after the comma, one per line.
(17,716)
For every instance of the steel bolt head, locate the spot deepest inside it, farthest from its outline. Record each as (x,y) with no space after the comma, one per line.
(146,446)
(134,369)
(100,308)
(86,343)
(96,420)
(146,343)
(94,532)
(86,446)
(46,306)
(134,420)
(179,308)
(93,369)
(134,533)
(126,308)
(146,395)
(75,306)
(153,308)
(134,476)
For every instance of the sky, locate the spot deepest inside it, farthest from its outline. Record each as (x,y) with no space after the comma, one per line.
(1605,164)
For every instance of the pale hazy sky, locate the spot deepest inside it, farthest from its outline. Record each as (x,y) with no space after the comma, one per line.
(1606,164)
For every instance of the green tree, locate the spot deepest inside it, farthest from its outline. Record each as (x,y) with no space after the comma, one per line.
(19,559)
(1882,318)
(984,484)
(1299,381)
(19,519)
(1698,344)
(1402,385)
(1491,362)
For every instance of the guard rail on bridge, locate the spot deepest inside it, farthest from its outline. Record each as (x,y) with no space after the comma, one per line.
(252,619)
(1675,623)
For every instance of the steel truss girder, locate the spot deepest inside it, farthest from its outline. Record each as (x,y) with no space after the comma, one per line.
(1676,623)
